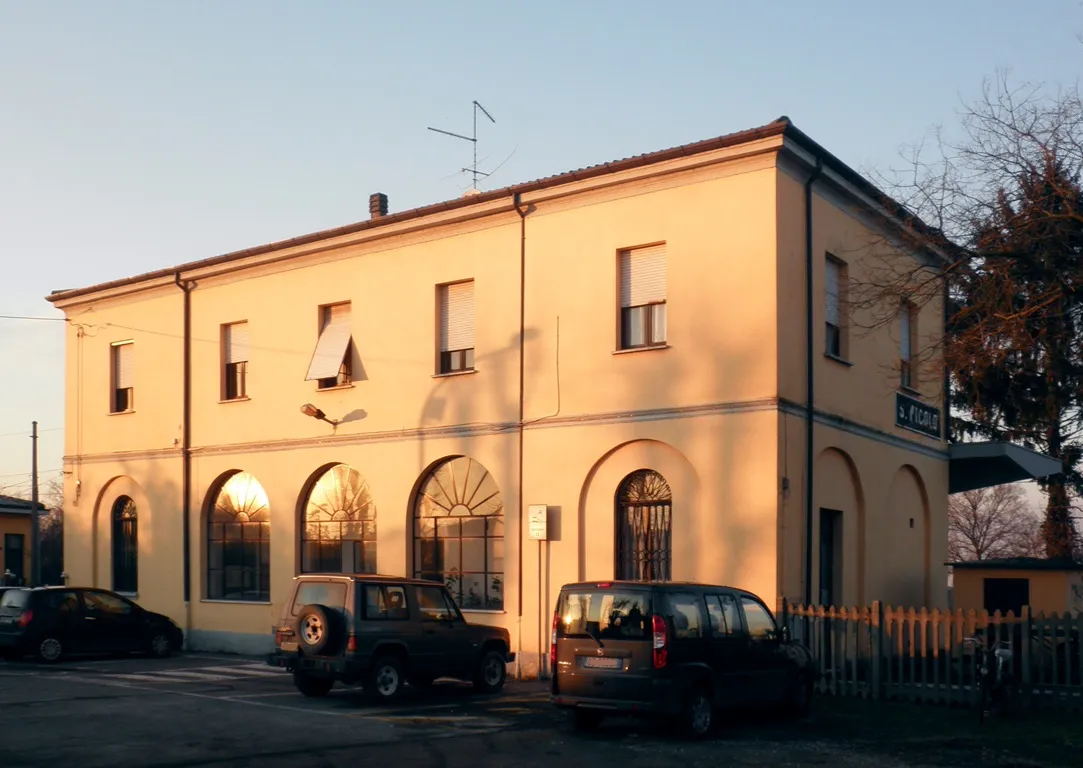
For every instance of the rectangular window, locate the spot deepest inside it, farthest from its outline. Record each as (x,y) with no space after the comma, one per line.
(456,327)
(835,280)
(385,603)
(686,613)
(605,613)
(123,365)
(906,345)
(331,594)
(235,354)
(643,297)
(722,610)
(331,366)
(14,560)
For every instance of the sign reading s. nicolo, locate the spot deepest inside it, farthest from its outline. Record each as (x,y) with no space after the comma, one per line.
(916,416)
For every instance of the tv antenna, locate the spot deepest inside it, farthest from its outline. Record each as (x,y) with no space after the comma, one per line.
(473,139)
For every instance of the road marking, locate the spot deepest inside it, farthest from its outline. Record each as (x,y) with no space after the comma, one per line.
(186,675)
(245,671)
(142,678)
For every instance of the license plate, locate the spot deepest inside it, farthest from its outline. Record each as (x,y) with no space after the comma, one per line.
(7,619)
(289,646)
(602,662)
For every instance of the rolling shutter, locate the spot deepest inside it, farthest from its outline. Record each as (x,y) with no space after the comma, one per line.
(331,347)
(905,345)
(457,316)
(643,276)
(831,311)
(124,366)
(236,340)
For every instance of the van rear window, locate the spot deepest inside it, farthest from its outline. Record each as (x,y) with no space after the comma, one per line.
(605,613)
(15,598)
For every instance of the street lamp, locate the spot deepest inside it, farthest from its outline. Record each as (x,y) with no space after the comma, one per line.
(308,409)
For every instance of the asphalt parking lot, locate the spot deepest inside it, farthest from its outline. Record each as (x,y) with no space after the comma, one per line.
(208,710)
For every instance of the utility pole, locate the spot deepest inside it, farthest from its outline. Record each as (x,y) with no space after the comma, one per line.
(35,535)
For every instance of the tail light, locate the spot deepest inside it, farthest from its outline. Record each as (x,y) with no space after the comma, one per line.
(25,618)
(351,644)
(553,644)
(661,641)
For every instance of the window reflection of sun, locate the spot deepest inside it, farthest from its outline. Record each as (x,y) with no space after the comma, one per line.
(244,495)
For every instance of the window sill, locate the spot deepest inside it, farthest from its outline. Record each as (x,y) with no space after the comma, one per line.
(235,602)
(839,360)
(911,391)
(129,595)
(651,348)
(454,373)
(339,388)
(244,399)
(490,611)
(121,413)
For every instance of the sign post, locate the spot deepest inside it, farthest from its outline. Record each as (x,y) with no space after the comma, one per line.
(538,522)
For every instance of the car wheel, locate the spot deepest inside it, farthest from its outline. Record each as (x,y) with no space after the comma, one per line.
(799,698)
(50,649)
(697,717)
(586,719)
(491,673)
(312,687)
(385,681)
(159,645)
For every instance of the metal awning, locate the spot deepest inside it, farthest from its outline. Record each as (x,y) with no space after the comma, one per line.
(982,465)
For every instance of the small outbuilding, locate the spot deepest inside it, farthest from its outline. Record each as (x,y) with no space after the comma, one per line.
(1046,585)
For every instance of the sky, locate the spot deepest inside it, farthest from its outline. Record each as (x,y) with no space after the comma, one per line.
(138,135)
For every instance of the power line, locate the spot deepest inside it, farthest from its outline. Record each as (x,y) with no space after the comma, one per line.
(27,433)
(26,474)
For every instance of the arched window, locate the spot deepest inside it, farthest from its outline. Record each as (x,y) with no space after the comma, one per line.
(644,527)
(239,542)
(338,534)
(125,546)
(459,533)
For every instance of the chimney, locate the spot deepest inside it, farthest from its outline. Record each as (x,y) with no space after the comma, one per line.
(377,205)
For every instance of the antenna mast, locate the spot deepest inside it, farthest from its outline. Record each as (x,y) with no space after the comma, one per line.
(473,169)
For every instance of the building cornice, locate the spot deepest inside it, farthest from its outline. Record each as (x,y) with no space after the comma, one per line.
(928,447)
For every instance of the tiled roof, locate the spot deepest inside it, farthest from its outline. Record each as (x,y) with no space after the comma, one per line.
(779,127)
(12,505)
(1021,564)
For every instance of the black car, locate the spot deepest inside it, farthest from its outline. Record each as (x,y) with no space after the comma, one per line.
(52,622)
(382,632)
(672,649)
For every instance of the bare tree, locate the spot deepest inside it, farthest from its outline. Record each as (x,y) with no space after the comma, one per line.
(991,523)
(1000,212)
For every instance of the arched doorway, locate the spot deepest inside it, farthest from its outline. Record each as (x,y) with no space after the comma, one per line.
(125,545)
(644,526)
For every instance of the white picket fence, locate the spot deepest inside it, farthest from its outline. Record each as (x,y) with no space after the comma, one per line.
(920,655)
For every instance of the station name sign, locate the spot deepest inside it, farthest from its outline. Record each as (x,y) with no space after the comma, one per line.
(916,416)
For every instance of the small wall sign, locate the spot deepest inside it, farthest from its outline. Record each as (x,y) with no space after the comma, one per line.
(916,416)
(538,522)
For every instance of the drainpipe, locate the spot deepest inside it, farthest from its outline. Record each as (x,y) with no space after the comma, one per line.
(186,444)
(810,370)
(522,416)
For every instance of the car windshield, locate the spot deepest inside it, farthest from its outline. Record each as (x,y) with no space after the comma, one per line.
(15,598)
(604,613)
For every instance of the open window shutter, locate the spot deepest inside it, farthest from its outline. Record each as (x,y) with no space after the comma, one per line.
(457,316)
(331,347)
(905,345)
(831,312)
(237,343)
(643,276)
(124,366)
